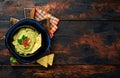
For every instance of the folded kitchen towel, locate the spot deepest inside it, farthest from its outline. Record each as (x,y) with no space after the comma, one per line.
(40,15)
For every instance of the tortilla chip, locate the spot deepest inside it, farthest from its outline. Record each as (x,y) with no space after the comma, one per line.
(50,59)
(46,60)
(37,44)
(13,21)
(46,24)
(43,61)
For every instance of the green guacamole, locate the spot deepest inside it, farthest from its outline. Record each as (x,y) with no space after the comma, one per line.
(26,41)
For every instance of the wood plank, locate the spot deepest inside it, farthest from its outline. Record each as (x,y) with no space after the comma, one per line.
(81,42)
(61,71)
(65,10)
(87,42)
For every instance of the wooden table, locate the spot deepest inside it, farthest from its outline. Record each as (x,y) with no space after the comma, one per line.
(86,45)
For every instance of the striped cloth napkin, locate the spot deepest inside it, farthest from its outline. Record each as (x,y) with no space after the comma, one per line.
(40,15)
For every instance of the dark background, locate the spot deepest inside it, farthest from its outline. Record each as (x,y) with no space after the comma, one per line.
(86,44)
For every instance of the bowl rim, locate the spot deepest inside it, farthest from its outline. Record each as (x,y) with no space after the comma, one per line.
(27,21)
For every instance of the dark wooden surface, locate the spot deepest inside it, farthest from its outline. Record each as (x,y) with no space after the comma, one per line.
(86,45)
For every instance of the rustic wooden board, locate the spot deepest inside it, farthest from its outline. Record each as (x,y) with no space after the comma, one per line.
(65,10)
(79,42)
(61,71)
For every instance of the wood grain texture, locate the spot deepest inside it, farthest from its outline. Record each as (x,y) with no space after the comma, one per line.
(81,42)
(65,10)
(61,71)
(86,45)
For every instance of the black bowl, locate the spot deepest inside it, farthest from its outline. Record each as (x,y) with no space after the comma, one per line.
(35,25)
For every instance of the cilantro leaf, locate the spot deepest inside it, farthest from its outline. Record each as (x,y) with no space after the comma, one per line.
(24,38)
(19,41)
(13,60)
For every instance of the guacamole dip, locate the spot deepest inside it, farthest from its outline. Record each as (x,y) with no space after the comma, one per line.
(27,41)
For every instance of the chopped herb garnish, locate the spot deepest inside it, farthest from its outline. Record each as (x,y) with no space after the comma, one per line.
(24,41)
(13,60)
(24,38)
(20,41)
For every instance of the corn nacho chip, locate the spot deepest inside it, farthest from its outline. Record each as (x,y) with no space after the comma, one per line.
(50,59)
(46,60)
(43,61)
